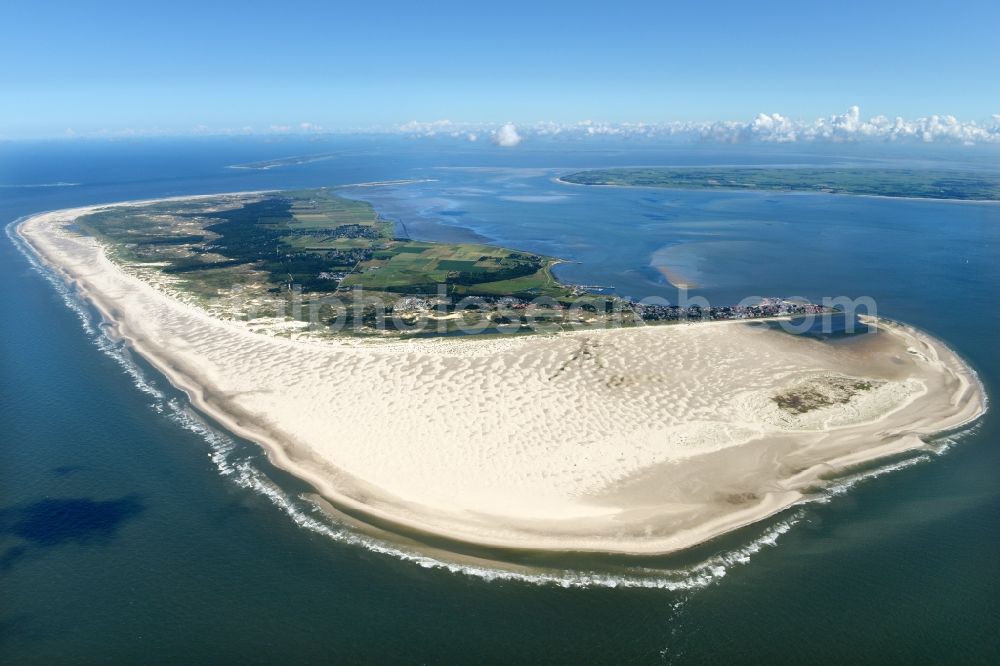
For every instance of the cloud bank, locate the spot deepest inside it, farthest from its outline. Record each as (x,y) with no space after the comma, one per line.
(847,127)
(765,128)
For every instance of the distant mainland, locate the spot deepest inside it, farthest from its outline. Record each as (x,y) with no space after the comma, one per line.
(907,183)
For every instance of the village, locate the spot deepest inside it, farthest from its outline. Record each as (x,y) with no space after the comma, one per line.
(480,314)
(767,307)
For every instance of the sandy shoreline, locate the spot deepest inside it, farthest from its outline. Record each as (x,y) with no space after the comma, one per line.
(644,440)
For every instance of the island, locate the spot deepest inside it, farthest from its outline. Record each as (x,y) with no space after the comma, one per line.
(921,184)
(265,165)
(629,440)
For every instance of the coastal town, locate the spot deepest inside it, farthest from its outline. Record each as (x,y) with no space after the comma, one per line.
(442,314)
(766,307)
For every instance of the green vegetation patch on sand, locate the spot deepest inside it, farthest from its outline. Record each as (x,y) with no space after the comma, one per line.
(820,392)
(929,184)
(305,247)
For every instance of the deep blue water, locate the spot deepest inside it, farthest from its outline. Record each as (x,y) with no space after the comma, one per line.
(130,530)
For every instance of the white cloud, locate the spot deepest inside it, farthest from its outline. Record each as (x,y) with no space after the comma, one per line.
(507,136)
(845,127)
(777,128)
(850,126)
(428,128)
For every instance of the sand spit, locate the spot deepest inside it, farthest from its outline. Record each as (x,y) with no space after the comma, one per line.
(643,440)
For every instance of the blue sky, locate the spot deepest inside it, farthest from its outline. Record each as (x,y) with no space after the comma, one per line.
(117,66)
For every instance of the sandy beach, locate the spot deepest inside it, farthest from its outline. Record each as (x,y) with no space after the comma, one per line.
(641,440)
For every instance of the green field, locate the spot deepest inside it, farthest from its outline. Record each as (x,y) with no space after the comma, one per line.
(930,184)
(405,267)
(309,243)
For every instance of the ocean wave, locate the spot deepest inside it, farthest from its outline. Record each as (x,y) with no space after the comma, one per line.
(64,290)
(934,448)
(305,513)
(308,515)
(944,443)
(233,463)
(841,486)
(101,338)
(695,577)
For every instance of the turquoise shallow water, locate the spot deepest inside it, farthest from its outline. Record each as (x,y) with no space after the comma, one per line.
(131,530)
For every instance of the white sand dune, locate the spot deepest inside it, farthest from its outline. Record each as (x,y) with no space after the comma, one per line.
(642,440)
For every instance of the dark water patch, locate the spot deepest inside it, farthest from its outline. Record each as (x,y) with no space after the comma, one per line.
(20,625)
(66,470)
(229,512)
(12,556)
(824,327)
(53,522)
(452,213)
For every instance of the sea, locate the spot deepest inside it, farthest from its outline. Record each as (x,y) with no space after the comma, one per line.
(134,530)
